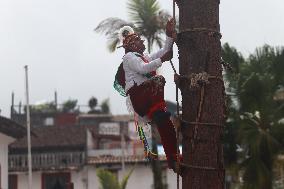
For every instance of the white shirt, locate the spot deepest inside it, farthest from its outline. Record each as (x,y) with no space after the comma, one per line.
(135,68)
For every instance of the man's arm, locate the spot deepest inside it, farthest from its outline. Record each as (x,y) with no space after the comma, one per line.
(138,65)
(167,47)
(170,32)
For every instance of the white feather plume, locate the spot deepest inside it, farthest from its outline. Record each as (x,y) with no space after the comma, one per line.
(124,31)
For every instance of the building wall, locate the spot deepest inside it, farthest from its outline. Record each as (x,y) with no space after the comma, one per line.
(23,180)
(80,178)
(172,179)
(141,178)
(86,178)
(4,142)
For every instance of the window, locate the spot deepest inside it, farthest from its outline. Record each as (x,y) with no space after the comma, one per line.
(56,181)
(49,121)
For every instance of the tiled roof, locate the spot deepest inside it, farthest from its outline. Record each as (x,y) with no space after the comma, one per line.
(54,137)
(11,128)
(116,118)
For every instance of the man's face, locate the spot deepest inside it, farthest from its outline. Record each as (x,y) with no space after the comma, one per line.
(137,45)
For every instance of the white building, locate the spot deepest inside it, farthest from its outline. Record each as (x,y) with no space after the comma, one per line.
(67,157)
(9,132)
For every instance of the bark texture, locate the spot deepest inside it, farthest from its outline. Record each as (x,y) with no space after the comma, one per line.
(199,51)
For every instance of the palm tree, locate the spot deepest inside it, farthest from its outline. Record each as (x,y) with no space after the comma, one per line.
(109,181)
(261,148)
(145,16)
(149,21)
(235,59)
(257,113)
(199,52)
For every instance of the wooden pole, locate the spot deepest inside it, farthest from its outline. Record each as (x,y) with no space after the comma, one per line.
(28,130)
(200,51)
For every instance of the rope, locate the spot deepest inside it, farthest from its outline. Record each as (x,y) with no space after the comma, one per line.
(209,30)
(201,123)
(198,167)
(177,128)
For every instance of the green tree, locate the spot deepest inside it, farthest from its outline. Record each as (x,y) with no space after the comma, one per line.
(257,114)
(146,17)
(260,126)
(69,106)
(109,181)
(105,106)
(48,107)
(232,57)
(93,102)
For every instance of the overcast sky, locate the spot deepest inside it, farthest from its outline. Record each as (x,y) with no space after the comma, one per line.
(55,39)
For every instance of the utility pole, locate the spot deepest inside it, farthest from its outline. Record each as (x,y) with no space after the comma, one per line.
(203,100)
(30,182)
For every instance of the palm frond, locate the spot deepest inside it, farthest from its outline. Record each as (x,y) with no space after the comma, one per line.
(159,41)
(110,28)
(125,179)
(107,179)
(111,25)
(112,42)
(144,14)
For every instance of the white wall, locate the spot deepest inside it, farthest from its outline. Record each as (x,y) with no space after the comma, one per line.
(23,180)
(80,178)
(93,182)
(141,178)
(172,179)
(86,178)
(4,142)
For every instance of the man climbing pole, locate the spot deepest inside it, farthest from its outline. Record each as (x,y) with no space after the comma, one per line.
(136,78)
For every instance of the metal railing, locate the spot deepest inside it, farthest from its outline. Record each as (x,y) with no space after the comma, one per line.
(61,160)
(116,152)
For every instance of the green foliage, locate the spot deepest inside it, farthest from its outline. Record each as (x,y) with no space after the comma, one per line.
(146,18)
(48,107)
(109,181)
(255,113)
(69,106)
(93,102)
(105,106)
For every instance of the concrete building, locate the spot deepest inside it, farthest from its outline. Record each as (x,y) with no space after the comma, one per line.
(68,156)
(9,132)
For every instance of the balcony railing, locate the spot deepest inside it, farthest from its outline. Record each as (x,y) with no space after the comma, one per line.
(116,152)
(62,160)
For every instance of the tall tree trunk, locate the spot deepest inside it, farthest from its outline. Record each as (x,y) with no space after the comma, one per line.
(199,51)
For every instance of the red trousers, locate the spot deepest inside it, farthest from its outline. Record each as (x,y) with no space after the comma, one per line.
(147,99)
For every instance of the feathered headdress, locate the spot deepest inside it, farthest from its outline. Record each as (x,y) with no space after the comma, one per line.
(125,31)
(125,35)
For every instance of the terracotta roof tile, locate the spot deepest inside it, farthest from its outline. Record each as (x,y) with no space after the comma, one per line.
(11,128)
(54,137)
